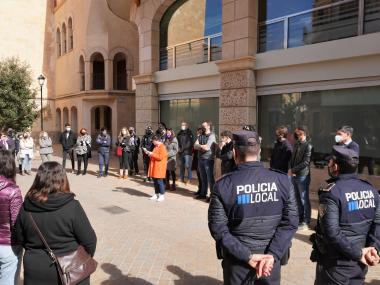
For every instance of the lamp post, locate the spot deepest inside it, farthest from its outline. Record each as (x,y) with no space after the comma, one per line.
(41,81)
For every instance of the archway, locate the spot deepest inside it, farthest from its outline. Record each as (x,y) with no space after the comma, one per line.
(58,120)
(58,42)
(65,115)
(64,39)
(82,76)
(71,37)
(74,118)
(97,71)
(101,116)
(120,72)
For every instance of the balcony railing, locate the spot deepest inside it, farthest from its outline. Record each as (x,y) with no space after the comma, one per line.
(347,18)
(193,52)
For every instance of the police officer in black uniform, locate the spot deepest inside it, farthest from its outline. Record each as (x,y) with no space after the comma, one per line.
(252,217)
(347,235)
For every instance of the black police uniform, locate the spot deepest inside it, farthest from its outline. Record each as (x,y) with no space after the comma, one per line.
(348,220)
(252,210)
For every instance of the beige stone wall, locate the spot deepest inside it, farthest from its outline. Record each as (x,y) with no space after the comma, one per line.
(187,22)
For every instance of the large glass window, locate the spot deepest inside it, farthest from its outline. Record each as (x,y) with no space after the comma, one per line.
(192,111)
(190,33)
(323,112)
(292,23)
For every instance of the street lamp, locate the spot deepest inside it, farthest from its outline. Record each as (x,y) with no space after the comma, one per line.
(41,81)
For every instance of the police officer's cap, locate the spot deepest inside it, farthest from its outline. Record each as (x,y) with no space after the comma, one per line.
(344,154)
(245,138)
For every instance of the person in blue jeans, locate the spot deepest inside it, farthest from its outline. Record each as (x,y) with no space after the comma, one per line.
(206,144)
(300,174)
(10,205)
(185,139)
(104,142)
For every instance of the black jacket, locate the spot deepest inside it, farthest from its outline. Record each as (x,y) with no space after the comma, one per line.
(226,154)
(185,142)
(354,146)
(348,219)
(253,210)
(301,158)
(123,142)
(64,225)
(147,141)
(67,142)
(281,155)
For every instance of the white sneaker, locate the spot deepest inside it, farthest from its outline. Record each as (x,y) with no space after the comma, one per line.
(154,197)
(161,198)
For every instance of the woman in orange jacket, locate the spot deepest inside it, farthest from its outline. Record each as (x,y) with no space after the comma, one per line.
(157,168)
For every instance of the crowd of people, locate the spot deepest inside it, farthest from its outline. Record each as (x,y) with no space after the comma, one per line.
(163,152)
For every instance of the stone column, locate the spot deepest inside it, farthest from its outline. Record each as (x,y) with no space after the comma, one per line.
(87,75)
(237,99)
(146,103)
(108,75)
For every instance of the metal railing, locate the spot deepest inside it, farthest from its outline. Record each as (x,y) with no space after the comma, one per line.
(192,52)
(347,18)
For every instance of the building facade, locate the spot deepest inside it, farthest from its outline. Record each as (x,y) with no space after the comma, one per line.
(264,63)
(233,62)
(96,56)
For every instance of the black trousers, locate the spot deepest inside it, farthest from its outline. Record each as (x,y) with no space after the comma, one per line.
(366,161)
(146,160)
(171,174)
(340,272)
(240,273)
(84,158)
(134,162)
(69,152)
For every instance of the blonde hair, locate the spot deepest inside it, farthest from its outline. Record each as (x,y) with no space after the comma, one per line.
(121,134)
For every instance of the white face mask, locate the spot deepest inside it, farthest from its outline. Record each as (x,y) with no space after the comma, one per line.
(68,129)
(183,128)
(338,139)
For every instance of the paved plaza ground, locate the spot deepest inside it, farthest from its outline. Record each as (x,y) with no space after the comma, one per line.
(145,242)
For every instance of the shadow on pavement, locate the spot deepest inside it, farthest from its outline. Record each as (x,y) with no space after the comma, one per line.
(374,282)
(117,277)
(187,278)
(131,192)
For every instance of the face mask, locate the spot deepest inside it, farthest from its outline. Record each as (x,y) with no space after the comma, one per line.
(131,132)
(338,138)
(149,132)
(203,130)
(168,136)
(183,128)
(83,133)
(45,135)
(124,132)
(68,129)
(104,133)
(279,138)
(25,136)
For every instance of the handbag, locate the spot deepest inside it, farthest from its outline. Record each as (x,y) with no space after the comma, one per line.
(73,267)
(119,151)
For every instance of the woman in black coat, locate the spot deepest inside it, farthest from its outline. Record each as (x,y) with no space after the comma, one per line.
(61,220)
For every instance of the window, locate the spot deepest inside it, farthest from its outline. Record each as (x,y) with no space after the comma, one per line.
(323,112)
(71,38)
(82,77)
(190,38)
(192,111)
(291,23)
(64,40)
(58,42)
(119,72)
(97,65)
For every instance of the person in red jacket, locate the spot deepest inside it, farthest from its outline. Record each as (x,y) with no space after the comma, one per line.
(10,204)
(157,167)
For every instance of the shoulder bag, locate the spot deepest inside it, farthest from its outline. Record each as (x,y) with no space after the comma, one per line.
(73,267)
